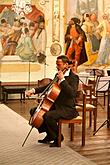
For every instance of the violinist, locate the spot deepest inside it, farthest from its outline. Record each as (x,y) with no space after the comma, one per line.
(64,105)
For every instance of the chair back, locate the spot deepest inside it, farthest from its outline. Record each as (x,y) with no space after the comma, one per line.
(93,84)
(44,81)
(88,90)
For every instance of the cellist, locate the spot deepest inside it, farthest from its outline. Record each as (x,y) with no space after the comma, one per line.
(64,105)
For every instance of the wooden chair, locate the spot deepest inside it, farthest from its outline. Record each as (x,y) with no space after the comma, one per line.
(77,120)
(44,81)
(94,97)
(89,105)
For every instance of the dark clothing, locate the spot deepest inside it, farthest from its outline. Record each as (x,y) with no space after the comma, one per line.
(83,56)
(80,31)
(67,38)
(64,106)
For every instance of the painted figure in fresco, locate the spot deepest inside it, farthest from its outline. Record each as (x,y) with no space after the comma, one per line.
(94,20)
(32,28)
(93,42)
(5,31)
(104,30)
(13,38)
(67,35)
(25,48)
(76,51)
(40,40)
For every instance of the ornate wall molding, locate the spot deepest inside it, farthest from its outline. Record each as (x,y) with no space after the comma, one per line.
(56,21)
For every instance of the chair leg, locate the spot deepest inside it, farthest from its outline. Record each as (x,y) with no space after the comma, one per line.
(59,134)
(83,137)
(83,125)
(90,119)
(83,132)
(21,96)
(95,119)
(5,97)
(72,132)
(104,98)
(24,97)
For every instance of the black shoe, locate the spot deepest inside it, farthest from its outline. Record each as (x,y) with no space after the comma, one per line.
(46,140)
(55,143)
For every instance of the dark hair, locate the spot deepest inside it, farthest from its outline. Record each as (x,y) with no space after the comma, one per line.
(26,30)
(40,19)
(31,24)
(64,58)
(3,21)
(87,15)
(76,20)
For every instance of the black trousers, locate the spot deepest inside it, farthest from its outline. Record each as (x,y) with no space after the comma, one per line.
(50,123)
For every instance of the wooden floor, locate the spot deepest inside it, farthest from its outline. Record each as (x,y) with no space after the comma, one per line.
(97,147)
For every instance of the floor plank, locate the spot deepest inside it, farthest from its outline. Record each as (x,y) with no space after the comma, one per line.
(97,147)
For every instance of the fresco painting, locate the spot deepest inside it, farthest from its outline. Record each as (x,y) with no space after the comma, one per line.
(20,21)
(95,22)
(18,25)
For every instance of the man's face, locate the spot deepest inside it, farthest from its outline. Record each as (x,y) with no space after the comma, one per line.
(93,17)
(60,64)
(41,25)
(4,24)
(31,30)
(71,22)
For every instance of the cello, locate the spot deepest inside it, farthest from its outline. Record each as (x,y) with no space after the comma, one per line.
(48,97)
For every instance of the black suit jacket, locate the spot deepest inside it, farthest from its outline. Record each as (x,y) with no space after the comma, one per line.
(65,102)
